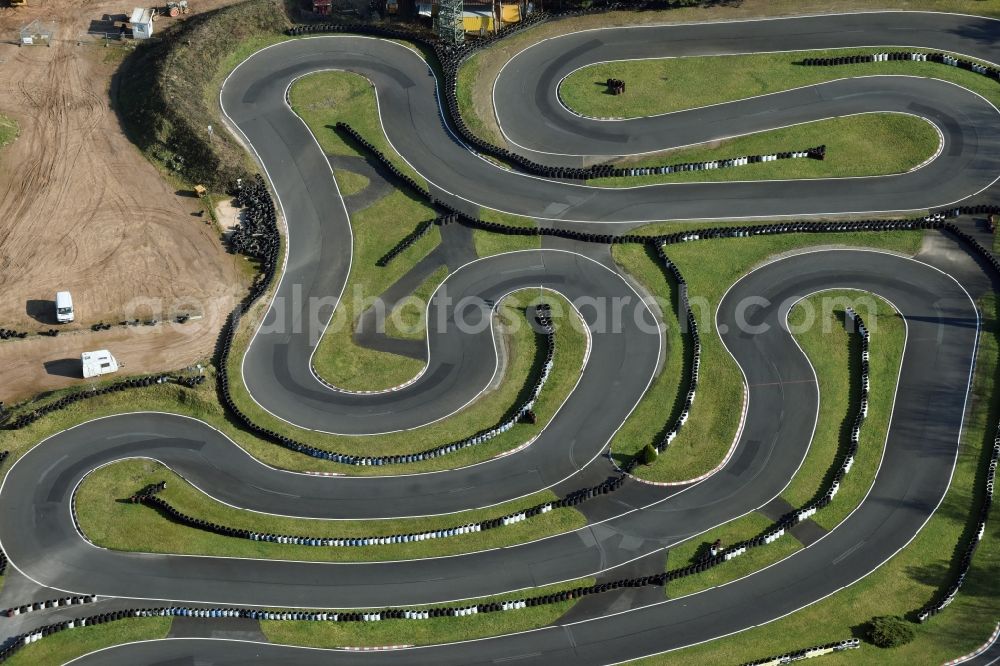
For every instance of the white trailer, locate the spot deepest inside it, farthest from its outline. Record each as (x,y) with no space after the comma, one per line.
(97,363)
(64,307)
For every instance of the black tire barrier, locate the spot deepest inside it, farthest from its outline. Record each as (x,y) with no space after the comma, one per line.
(14,611)
(450,57)
(544,321)
(407,241)
(950,591)
(807,653)
(256,234)
(150,490)
(595,171)
(944,598)
(350,132)
(716,554)
(268,268)
(268,263)
(610,171)
(911,56)
(616,86)
(27,418)
(11,334)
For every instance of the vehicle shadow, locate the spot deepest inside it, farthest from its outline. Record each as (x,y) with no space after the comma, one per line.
(41,310)
(64,367)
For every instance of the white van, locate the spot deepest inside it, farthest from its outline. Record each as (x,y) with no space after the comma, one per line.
(64,307)
(97,363)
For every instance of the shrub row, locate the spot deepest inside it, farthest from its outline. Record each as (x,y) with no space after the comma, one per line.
(942,58)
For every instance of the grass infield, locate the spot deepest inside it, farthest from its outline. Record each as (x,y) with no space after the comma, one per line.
(834,355)
(855,146)
(350,182)
(426,632)
(321,100)
(61,647)
(673,84)
(913,576)
(710,268)
(477,74)
(113,524)
(489,243)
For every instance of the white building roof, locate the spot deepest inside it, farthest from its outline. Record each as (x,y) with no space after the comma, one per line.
(140,15)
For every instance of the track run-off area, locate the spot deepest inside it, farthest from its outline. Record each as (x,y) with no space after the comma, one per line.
(629,530)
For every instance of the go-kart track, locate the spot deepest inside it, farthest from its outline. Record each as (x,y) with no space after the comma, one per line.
(632,527)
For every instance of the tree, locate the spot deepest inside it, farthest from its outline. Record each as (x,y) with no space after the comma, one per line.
(891,631)
(649,454)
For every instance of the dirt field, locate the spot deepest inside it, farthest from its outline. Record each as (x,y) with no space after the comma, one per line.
(81,209)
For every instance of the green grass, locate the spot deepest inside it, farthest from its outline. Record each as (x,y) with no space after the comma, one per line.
(201,403)
(710,268)
(674,84)
(732,532)
(834,355)
(477,74)
(571,343)
(377,228)
(407,319)
(350,182)
(8,130)
(323,99)
(489,243)
(478,117)
(66,645)
(855,147)
(135,527)
(912,577)
(661,403)
(425,632)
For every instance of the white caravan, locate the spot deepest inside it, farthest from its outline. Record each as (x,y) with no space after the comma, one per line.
(97,363)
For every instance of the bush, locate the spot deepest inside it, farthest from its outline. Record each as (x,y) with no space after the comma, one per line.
(649,454)
(891,631)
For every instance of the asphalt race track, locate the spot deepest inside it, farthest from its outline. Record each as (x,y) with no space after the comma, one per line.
(636,524)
